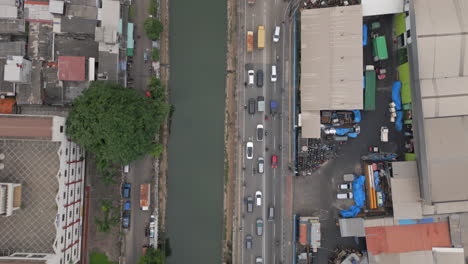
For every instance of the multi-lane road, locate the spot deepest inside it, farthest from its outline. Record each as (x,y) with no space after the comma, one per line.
(274,245)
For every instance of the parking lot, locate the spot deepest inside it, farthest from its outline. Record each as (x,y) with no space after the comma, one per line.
(315,194)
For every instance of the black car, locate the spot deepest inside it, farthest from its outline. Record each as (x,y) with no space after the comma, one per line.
(259,78)
(248,241)
(249,204)
(251,106)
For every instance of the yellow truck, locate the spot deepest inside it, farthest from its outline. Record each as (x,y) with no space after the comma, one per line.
(261,37)
(250,40)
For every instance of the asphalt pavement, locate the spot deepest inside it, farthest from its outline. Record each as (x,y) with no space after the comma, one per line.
(141,171)
(274,246)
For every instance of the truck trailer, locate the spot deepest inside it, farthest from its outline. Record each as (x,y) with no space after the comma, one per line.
(145,196)
(250,40)
(261,37)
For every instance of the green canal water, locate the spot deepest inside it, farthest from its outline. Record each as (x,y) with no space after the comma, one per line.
(196,143)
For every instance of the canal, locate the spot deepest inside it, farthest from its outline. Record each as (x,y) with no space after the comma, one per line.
(196,143)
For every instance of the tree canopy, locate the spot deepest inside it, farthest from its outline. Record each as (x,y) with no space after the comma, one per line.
(116,123)
(152,256)
(153,28)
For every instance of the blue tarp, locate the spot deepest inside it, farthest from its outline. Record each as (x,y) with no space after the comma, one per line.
(364,35)
(399,120)
(352,135)
(273,104)
(359,198)
(396,95)
(357,116)
(343,131)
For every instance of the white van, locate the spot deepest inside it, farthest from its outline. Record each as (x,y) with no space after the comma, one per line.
(126,168)
(274,77)
(276,35)
(384,134)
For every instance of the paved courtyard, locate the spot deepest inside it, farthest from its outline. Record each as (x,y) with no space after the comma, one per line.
(33,164)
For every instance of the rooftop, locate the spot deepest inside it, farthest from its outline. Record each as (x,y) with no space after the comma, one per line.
(442,74)
(34,164)
(108,65)
(12,26)
(331,63)
(71,68)
(12,48)
(77,25)
(67,46)
(88,12)
(407,238)
(40,41)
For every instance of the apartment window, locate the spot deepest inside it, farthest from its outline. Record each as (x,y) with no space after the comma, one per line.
(74,252)
(66,151)
(65,173)
(70,214)
(77,210)
(64,195)
(61,131)
(71,193)
(63,217)
(78,190)
(73,151)
(61,240)
(79,170)
(68,257)
(76,231)
(69,235)
(73,172)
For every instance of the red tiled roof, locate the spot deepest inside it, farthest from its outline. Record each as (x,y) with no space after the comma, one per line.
(407,238)
(71,68)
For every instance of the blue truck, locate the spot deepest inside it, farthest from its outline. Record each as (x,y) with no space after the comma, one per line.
(126,190)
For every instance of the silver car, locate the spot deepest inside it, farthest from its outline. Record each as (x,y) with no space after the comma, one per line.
(259,225)
(261,165)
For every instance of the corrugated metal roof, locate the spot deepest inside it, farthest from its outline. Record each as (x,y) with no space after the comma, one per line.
(56,7)
(405,190)
(26,127)
(310,121)
(331,58)
(71,68)
(442,59)
(8,11)
(407,238)
(446,143)
(379,7)
(352,227)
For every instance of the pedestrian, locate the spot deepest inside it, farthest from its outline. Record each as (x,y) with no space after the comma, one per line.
(245,83)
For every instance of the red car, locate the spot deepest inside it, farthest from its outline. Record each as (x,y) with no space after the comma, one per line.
(274,161)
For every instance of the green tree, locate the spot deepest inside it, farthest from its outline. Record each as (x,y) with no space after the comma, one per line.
(115,123)
(153,256)
(153,7)
(155,54)
(153,28)
(110,217)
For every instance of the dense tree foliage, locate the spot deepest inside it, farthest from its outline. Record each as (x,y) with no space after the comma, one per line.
(116,123)
(152,256)
(153,28)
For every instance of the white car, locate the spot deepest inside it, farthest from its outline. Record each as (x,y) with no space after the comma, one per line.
(249,150)
(258,198)
(345,186)
(384,134)
(251,74)
(344,196)
(274,77)
(276,35)
(258,260)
